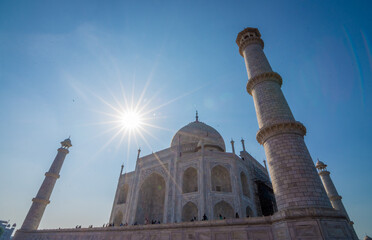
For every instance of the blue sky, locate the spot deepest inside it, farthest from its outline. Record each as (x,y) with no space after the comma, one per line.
(61,60)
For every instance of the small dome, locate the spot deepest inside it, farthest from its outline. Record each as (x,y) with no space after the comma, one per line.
(192,133)
(320,165)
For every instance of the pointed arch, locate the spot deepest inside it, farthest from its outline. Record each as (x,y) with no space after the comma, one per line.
(123,193)
(190,180)
(189,211)
(224,209)
(118,218)
(151,198)
(221,181)
(244,183)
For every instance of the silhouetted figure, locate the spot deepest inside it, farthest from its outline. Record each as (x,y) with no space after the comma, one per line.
(220,216)
(205,218)
(236,215)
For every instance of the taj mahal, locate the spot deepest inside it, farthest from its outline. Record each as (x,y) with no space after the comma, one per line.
(196,190)
(193,178)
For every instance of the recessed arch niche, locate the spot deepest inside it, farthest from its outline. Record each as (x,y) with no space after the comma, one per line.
(123,193)
(244,183)
(220,178)
(190,180)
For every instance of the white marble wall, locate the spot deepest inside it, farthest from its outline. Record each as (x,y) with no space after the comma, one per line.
(171,167)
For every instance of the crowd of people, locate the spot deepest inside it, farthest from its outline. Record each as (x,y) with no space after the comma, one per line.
(205,218)
(147,222)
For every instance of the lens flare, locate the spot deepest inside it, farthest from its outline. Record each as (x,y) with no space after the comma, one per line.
(131,120)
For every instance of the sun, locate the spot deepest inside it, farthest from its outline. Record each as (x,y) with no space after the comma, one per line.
(131,116)
(131,120)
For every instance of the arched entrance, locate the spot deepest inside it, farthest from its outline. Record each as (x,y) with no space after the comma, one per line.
(151,199)
(189,211)
(224,209)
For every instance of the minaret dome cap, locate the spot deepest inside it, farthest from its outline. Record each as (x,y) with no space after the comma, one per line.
(320,165)
(247,30)
(66,143)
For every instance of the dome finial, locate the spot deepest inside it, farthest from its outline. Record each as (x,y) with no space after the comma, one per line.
(197,116)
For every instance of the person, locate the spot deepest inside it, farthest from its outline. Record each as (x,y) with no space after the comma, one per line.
(205,218)
(236,215)
(220,216)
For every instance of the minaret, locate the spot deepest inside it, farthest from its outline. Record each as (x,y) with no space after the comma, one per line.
(121,170)
(243,144)
(138,153)
(232,146)
(41,200)
(295,180)
(330,188)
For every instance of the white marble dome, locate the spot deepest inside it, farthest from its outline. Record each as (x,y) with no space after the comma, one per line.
(194,132)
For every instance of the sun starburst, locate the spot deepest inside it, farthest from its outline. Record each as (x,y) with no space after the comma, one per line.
(131,119)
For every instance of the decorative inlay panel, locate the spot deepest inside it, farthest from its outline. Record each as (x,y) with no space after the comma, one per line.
(162,170)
